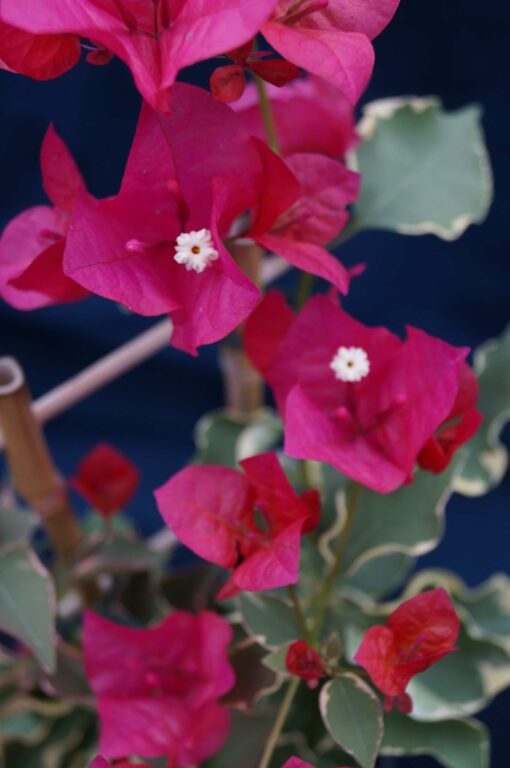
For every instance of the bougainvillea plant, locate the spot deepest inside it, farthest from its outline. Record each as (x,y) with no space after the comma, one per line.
(278,619)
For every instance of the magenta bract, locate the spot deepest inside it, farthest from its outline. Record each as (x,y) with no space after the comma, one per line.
(32,244)
(330,39)
(310,115)
(370,420)
(251,523)
(155,47)
(157,689)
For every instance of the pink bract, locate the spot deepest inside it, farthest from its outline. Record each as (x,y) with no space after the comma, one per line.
(213,511)
(158,689)
(32,244)
(197,169)
(155,48)
(330,39)
(310,115)
(417,634)
(371,429)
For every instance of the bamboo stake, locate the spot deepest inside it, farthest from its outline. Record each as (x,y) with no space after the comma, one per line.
(34,475)
(100,373)
(244,390)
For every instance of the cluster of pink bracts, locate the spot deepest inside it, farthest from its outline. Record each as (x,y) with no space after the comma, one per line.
(200,177)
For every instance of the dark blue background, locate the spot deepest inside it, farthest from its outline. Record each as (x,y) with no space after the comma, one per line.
(455,48)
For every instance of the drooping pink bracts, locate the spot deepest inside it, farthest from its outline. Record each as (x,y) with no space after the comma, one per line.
(310,116)
(355,397)
(106,479)
(154,38)
(251,523)
(32,244)
(158,689)
(417,634)
(330,38)
(194,174)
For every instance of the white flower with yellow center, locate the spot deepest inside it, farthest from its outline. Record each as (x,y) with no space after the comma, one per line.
(195,250)
(350,364)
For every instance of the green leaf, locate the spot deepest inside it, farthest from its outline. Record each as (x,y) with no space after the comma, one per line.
(119,556)
(276,660)
(352,714)
(462,683)
(409,521)
(424,170)
(269,620)
(453,743)
(380,576)
(16,525)
(487,458)
(225,439)
(28,603)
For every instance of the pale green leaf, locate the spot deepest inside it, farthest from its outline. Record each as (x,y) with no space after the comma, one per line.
(453,743)
(225,439)
(487,457)
(424,170)
(27,602)
(352,714)
(269,620)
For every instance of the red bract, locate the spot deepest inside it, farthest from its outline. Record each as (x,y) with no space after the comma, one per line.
(192,176)
(460,425)
(41,57)
(303,661)
(355,397)
(32,244)
(154,38)
(158,689)
(310,115)
(296,762)
(417,634)
(228,82)
(106,479)
(330,38)
(251,523)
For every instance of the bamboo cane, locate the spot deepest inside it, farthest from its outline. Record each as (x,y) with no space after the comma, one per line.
(244,390)
(34,475)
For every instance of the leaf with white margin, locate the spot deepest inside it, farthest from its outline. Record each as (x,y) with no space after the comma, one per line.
(269,620)
(16,525)
(462,683)
(225,438)
(453,743)
(487,457)
(353,716)
(424,170)
(409,520)
(28,603)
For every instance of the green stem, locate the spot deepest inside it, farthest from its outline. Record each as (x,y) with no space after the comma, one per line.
(300,616)
(329,584)
(267,114)
(304,290)
(279,723)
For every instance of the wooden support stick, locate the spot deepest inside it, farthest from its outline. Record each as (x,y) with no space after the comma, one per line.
(244,389)
(34,475)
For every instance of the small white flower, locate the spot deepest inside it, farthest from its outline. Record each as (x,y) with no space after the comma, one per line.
(350,364)
(195,250)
